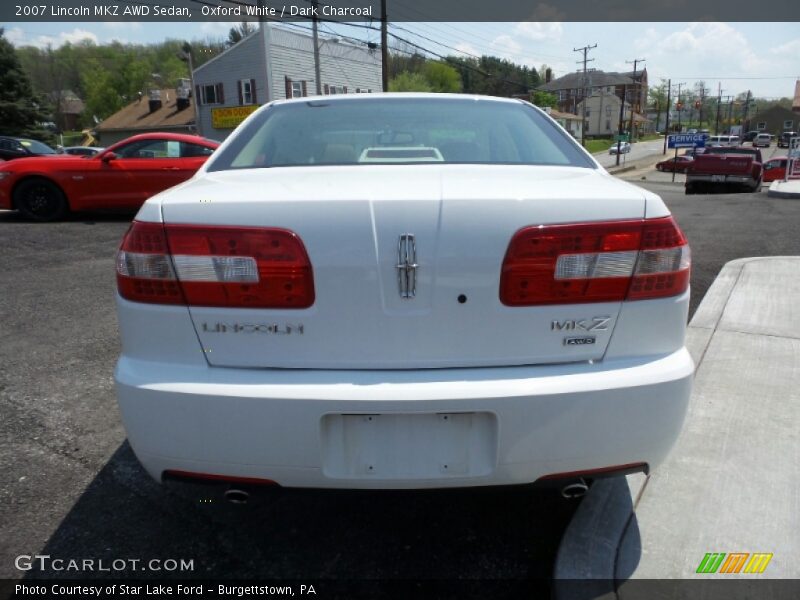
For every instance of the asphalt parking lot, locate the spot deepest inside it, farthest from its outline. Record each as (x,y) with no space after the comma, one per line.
(73,489)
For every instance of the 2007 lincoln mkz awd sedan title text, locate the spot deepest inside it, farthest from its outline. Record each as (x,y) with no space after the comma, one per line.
(402,291)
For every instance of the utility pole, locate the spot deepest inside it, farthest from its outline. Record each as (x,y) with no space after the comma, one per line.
(384,48)
(703,92)
(719,104)
(730,112)
(669,107)
(746,111)
(635,62)
(585,60)
(680,104)
(315,33)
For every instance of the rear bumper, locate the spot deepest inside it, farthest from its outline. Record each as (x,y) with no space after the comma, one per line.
(523,423)
(737,179)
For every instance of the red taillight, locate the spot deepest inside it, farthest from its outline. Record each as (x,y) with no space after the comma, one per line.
(595,262)
(241,267)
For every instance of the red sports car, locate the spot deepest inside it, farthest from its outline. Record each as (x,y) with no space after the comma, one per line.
(123,176)
(679,164)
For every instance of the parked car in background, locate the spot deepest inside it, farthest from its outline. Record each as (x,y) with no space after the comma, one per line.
(723,141)
(82,150)
(775,169)
(762,140)
(248,320)
(678,164)
(123,176)
(725,169)
(692,152)
(624,148)
(750,136)
(785,138)
(19,147)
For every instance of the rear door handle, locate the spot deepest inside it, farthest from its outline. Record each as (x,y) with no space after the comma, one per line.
(170,168)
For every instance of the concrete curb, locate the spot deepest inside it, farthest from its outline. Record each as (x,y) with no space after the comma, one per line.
(591,546)
(784,189)
(614,171)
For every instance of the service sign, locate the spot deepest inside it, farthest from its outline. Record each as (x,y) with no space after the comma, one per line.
(230,117)
(687,140)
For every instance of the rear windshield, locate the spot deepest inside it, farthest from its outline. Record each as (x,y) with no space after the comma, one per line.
(399,131)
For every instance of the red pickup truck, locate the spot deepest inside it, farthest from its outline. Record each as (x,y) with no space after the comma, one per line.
(737,169)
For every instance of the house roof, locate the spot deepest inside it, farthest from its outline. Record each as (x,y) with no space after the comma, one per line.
(594,79)
(137,115)
(610,96)
(557,114)
(68,102)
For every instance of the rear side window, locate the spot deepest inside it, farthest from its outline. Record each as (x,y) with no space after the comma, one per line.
(399,131)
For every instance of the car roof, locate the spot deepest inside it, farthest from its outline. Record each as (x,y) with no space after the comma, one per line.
(163,135)
(400,95)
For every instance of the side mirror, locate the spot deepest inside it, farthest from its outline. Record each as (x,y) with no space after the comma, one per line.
(108,157)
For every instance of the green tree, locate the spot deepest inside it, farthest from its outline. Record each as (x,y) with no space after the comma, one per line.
(21,111)
(409,82)
(102,96)
(239,32)
(658,99)
(494,76)
(442,77)
(544,99)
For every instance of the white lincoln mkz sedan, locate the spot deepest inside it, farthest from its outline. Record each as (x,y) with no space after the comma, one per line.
(402,291)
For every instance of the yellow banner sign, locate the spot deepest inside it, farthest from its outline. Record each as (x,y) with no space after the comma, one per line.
(228,118)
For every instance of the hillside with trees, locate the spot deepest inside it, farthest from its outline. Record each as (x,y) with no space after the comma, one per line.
(21,110)
(107,77)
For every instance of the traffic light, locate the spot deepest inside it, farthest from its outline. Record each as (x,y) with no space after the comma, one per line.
(679,105)
(697,104)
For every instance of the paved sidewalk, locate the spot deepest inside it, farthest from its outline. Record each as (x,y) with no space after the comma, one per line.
(732,482)
(785,189)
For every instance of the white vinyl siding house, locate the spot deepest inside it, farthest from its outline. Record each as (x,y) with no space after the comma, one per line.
(274,63)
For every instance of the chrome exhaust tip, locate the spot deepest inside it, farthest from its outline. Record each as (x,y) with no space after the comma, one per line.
(235,496)
(576,489)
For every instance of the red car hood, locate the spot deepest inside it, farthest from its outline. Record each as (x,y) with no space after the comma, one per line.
(41,162)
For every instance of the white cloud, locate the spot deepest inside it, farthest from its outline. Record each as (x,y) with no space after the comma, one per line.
(709,49)
(216,27)
(18,38)
(789,49)
(540,31)
(123,25)
(505,44)
(467,49)
(15,35)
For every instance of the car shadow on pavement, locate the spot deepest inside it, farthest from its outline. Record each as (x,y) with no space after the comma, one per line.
(484,535)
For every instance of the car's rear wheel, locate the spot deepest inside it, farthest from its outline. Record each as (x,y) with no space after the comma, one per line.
(40,200)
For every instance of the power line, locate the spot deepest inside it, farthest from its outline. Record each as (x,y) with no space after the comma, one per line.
(585,60)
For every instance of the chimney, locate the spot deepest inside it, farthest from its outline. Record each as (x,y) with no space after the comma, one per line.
(548,74)
(155,100)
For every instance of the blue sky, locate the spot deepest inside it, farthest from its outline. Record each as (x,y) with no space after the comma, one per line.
(762,57)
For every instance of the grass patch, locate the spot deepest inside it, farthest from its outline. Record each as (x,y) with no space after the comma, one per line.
(598,145)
